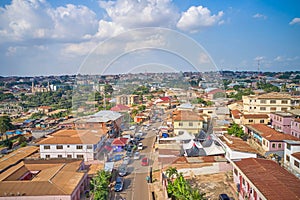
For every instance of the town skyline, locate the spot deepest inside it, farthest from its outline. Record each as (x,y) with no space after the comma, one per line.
(54,38)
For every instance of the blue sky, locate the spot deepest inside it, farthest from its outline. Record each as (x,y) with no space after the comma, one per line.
(43,37)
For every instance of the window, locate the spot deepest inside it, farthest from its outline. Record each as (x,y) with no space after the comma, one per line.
(235,171)
(69,156)
(272,101)
(262,108)
(209,112)
(288,146)
(59,146)
(190,123)
(79,156)
(68,146)
(180,124)
(262,101)
(47,156)
(284,101)
(59,156)
(279,146)
(89,146)
(79,147)
(287,158)
(250,120)
(180,132)
(296,163)
(264,142)
(273,109)
(47,147)
(273,145)
(261,121)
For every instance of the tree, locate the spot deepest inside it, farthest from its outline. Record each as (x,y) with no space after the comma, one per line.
(236,130)
(100,185)
(5,124)
(108,89)
(171,172)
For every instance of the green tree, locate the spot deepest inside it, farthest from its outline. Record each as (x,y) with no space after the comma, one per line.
(5,124)
(171,172)
(108,89)
(236,130)
(100,185)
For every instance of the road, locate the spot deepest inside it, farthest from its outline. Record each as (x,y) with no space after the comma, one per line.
(135,184)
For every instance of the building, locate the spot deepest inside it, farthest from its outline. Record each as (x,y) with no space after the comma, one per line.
(127,100)
(269,140)
(254,119)
(267,103)
(295,127)
(64,179)
(292,156)
(261,179)
(190,121)
(105,120)
(281,121)
(80,144)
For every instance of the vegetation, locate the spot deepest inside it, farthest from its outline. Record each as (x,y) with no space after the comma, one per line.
(5,124)
(100,185)
(6,96)
(240,93)
(179,188)
(236,130)
(201,101)
(267,87)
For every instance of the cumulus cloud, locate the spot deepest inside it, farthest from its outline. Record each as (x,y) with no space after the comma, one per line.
(259,16)
(196,18)
(296,20)
(137,14)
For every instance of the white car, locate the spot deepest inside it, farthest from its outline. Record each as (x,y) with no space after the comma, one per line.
(136,155)
(140,146)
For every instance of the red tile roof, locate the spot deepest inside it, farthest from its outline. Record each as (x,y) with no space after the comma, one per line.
(270,134)
(165,98)
(187,115)
(119,107)
(119,142)
(270,179)
(296,155)
(256,116)
(236,114)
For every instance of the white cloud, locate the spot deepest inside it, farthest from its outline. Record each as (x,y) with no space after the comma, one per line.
(257,58)
(195,18)
(296,20)
(108,29)
(258,15)
(138,14)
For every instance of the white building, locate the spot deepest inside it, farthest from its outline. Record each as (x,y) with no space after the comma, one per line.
(292,156)
(81,144)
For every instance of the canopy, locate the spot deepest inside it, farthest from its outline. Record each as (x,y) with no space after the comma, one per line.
(191,144)
(184,136)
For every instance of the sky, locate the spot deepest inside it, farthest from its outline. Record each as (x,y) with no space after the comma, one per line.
(43,37)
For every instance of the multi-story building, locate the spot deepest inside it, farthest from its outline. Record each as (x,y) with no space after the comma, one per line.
(281,121)
(261,179)
(190,121)
(247,119)
(292,156)
(127,100)
(269,140)
(295,127)
(267,103)
(80,144)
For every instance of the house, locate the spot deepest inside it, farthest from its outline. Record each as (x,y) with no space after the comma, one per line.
(120,108)
(295,127)
(269,140)
(236,148)
(187,120)
(163,102)
(261,179)
(236,116)
(292,156)
(106,120)
(44,109)
(215,93)
(127,100)
(254,119)
(81,144)
(281,121)
(141,117)
(267,103)
(44,179)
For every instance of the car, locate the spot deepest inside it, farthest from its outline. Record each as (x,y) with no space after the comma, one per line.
(126,160)
(224,197)
(145,161)
(122,170)
(115,158)
(129,153)
(140,146)
(119,184)
(136,155)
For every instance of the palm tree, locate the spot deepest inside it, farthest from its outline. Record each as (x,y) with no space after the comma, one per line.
(100,185)
(171,172)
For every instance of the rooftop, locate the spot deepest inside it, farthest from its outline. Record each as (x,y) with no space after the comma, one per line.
(255,116)
(296,155)
(237,144)
(186,115)
(270,179)
(270,134)
(41,177)
(68,136)
(274,95)
(236,114)
(283,114)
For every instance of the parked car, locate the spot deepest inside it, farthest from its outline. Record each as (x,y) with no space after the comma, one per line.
(115,158)
(224,197)
(119,184)
(126,160)
(122,170)
(136,155)
(140,146)
(129,153)
(145,161)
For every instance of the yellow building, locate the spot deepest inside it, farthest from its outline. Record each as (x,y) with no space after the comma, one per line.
(190,121)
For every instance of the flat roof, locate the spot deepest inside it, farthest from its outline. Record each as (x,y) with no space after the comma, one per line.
(270,179)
